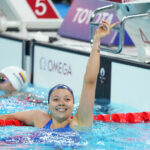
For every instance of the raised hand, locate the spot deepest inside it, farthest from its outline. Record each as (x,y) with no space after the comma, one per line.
(103,30)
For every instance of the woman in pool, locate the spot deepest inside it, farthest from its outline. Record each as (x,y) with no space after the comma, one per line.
(12,80)
(61,96)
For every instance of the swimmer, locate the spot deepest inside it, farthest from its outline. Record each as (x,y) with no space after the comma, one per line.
(13,80)
(61,98)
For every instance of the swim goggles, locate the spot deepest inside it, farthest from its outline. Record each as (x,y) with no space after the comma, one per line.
(3,79)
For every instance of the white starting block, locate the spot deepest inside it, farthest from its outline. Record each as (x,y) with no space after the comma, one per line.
(134,16)
(29,14)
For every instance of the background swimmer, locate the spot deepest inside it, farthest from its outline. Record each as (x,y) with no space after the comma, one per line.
(61,100)
(13,80)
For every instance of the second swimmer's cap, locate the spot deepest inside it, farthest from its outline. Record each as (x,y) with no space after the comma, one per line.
(16,76)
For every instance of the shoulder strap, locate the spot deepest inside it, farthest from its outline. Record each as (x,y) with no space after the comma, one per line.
(47,126)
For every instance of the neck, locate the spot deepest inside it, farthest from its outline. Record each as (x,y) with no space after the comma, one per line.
(56,124)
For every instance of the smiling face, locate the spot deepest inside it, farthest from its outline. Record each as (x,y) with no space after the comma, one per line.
(6,85)
(61,104)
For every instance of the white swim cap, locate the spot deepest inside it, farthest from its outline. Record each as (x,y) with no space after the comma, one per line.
(16,76)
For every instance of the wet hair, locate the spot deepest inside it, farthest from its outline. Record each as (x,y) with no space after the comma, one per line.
(60,86)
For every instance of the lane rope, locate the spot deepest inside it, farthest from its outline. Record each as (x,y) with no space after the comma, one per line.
(136,117)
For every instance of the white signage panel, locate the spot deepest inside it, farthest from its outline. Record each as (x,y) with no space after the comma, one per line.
(130,85)
(10,52)
(54,66)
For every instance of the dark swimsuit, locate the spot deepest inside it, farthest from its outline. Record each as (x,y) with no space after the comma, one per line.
(47,126)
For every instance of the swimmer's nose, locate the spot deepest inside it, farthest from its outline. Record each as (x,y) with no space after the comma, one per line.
(61,103)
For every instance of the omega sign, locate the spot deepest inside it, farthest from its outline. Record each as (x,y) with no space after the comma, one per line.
(59,67)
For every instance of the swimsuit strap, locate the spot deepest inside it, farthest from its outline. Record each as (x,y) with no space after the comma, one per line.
(67,126)
(47,126)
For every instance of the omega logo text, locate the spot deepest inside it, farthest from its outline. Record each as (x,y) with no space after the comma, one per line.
(59,67)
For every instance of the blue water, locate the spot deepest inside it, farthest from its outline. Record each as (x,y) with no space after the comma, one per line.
(102,136)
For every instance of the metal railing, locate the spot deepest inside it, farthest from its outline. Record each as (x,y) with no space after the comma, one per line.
(117,29)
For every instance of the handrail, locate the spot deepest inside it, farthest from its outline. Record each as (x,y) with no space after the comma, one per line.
(120,29)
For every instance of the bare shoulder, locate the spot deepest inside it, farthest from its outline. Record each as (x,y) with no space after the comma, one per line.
(41,118)
(39,113)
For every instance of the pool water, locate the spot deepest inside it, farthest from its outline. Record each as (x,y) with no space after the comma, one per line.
(102,136)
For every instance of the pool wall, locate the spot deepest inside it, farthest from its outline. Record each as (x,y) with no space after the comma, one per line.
(120,80)
(53,65)
(12,51)
(124,82)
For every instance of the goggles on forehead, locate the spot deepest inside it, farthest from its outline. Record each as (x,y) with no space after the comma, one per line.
(3,79)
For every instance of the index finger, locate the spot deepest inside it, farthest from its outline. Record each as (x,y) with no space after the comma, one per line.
(114,24)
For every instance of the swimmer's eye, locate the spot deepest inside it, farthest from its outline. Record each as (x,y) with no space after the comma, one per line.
(67,99)
(55,99)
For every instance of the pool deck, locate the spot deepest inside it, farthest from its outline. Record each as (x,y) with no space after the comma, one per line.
(127,53)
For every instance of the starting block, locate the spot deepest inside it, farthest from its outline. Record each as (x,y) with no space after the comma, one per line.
(33,14)
(134,16)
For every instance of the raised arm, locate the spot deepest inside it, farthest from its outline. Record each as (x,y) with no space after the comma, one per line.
(84,116)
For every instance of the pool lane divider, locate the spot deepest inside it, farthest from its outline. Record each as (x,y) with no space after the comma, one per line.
(10,122)
(137,117)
